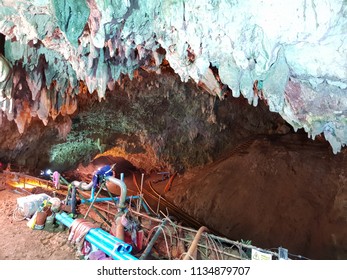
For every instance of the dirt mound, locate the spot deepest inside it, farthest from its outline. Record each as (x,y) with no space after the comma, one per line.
(279,191)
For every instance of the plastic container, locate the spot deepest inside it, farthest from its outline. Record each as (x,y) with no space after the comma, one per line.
(40,220)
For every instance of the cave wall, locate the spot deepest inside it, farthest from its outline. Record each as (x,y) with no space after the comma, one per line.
(92,77)
(292,56)
(154,121)
(29,151)
(159,122)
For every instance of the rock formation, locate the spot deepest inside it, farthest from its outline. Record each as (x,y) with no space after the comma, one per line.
(293,56)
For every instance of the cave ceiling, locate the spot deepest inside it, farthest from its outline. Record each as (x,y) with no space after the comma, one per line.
(292,56)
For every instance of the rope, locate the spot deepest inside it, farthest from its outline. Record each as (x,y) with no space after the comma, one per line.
(16,213)
(215,246)
(166,243)
(173,225)
(184,254)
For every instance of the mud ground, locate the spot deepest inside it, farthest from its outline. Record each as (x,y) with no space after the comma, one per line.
(19,242)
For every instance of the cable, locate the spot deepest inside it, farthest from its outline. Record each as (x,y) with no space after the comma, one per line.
(298,256)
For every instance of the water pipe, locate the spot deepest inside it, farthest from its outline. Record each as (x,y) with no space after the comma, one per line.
(107,199)
(117,244)
(108,247)
(99,233)
(65,219)
(97,239)
(121,205)
(123,188)
(104,171)
(82,185)
(114,247)
(193,247)
(126,247)
(153,240)
(104,247)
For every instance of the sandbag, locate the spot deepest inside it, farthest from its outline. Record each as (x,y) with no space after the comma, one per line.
(28,205)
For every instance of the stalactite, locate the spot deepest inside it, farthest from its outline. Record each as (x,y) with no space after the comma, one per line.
(247,41)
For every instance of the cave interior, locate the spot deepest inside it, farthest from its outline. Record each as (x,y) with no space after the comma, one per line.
(236,118)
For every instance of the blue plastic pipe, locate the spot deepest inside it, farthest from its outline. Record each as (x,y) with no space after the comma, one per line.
(108,248)
(120,247)
(104,244)
(65,219)
(110,236)
(103,199)
(125,246)
(129,257)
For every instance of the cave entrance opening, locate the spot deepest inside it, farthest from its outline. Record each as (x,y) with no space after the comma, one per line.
(121,165)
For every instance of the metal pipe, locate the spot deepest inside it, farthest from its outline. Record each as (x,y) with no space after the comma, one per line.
(82,185)
(193,247)
(92,203)
(153,240)
(121,205)
(123,188)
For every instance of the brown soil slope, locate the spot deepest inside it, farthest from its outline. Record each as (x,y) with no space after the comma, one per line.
(279,191)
